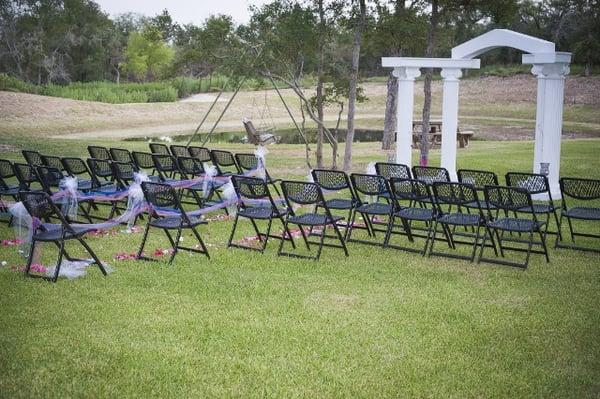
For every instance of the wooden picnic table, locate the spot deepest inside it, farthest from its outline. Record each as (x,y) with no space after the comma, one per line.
(435,135)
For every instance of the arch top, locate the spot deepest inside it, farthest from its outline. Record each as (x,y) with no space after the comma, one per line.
(501,38)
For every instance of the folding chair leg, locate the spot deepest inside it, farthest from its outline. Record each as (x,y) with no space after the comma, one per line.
(59,261)
(176,246)
(475,243)
(388,231)
(141,250)
(200,241)
(264,245)
(543,240)
(433,239)
(483,246)
(93,255)
(30,257)
(571,229)
(321,242)
(340,237)
(288,232)
(558,233)
(235,221)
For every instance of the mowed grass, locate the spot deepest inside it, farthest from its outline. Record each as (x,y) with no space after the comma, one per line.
(381,323)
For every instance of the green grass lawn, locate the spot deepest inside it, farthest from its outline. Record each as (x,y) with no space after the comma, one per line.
(381,323)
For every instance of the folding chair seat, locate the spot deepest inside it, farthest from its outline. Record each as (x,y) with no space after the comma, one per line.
(144,163)
(225,162)
(158,148)
(450,199)
(40,206)
(249,190)
(249,162)
(310,194)
(513,201)
(583,196)
(478,179)
(121,155)
(338,182)
(375,187)
(536,184)
(430,174)
(98,152)
(414,192)
(179,151)
(163,196)
(33,158)
(201,153)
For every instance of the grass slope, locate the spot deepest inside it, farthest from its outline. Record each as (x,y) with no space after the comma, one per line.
(382,323)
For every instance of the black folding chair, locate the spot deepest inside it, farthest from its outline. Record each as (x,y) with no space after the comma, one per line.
(40,206)
(53,162)
(98,152)
(50,179)
(33,158)
(450,199)
(144,163)
(390,170)
(303,193)
(338,181)
(584,197)
(191,167)
(478,179)
(179,151)
(7,189)
(249,190)
(123,173)
(121,155)
(414,191)
(514,201)
(27,177)
(430,174)
(162,196)
(373,186)
(102,172)
(166,166)
(201,153)
(248,162)
(76,167)
(225,162)
(158,148)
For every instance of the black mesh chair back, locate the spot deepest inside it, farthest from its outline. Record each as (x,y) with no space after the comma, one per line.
(247,161)
(52,161)
(478,178)
(224,161)
(161,195)
(49,178)
(179,151)
(6,169)
(166,165)
(390,170)
(143,160)
(98,152)
(75,166)
(430,174)
(101,169)
(123,173)
(32,158)
(301,193)
(190,166)
(26,175)
(374,185)
(202,153)
(514,199)
(121,155)
(457,194)
(40,206)
(157,148)
(334,180)
(410,190)
(251,188)
(532,182)
(581,189)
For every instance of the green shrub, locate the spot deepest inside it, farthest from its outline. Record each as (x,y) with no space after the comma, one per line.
(9,83)
(168,94)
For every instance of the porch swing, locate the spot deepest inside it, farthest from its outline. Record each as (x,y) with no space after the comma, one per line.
(264,133)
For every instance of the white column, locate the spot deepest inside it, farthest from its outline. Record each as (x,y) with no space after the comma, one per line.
(450,118)
(404,112)
(537,70)
(554,94)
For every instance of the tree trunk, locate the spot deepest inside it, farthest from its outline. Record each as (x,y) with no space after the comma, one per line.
(320,78)
(353,83)
(389,123)
(427,85)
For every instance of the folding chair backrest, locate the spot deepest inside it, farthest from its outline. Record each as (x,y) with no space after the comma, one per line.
(52,161)
(143,160)
(160,195)
(332,180)
(224,159)
(179,151)
(6,169)
(190,166)
(581,189)
(158,148)
(369,184)
(165,165)
(532,182)
(430,174)
(246,161)
(451,193)
(98,152)
(410,190)
(100,169)
(389,170)
(302,193)
(202,153)
(508,198)
(250,188)
(75,166)
(123,172)
(32,158)
(121,155)
(26,175)
(39,205)
(477,178)
(49,177)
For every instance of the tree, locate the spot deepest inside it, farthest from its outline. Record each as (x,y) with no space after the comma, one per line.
(147,54)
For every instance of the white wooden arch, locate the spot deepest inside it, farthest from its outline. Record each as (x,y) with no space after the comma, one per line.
(549,66)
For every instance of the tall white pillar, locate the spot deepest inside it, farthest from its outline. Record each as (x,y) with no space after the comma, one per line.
(450,118)
(537,70)
(554,93)
(404,112)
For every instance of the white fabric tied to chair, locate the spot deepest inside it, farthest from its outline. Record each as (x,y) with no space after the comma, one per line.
(210,171)
(230,197)
(261,167)
(23,225)
(69,205)
(135,198)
